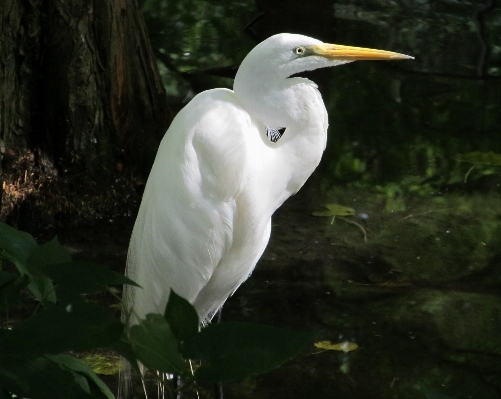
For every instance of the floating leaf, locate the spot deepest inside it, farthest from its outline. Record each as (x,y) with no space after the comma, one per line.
(335,210)
(341,346)
(480,158)
(340,211)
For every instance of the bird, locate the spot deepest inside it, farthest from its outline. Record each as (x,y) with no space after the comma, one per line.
(227,162)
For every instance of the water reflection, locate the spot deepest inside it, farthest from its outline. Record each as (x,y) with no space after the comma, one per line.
(422,296)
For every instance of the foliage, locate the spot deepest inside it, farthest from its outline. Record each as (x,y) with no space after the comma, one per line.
(339,346)
(193,36)
(197,36)
(228,351)
(34,353)
(480,158)
(402,133)
(222,348)
(335,210)
(389,127)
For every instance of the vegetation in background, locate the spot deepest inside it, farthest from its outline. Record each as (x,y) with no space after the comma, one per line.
(191,36)
(394,129)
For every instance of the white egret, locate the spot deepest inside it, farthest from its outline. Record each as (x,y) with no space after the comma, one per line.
(227,162)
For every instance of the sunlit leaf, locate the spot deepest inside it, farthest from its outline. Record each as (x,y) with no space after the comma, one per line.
(480,158)
(335,210)
(232,351)
(124,349)
(103,364)
(79,368)
(340,346)
(156,346)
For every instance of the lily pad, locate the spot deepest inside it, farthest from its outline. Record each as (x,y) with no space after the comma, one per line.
(340,346)
(103,364)
(335,210)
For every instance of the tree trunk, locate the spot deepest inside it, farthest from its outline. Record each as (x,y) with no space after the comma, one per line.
(79,87)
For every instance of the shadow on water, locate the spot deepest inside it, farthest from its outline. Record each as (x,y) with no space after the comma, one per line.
(421,296)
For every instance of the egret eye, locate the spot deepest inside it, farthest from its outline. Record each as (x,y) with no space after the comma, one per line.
(299,50)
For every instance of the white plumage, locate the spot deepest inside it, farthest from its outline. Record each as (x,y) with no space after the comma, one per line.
(205,217)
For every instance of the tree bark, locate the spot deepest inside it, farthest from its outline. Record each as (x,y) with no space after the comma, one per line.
(79,86)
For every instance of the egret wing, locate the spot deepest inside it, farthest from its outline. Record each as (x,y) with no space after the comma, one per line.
(186,219)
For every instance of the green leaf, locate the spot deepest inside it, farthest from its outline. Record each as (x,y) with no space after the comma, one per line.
(74,278)
(181,316)
(232,351)
(335,210)
(77,327)
(16,245)
(156,346)
(103,363)
(78,367)
(45,254)
(344,346)
(49,377)
(322,213)
(480,158)
(50,252)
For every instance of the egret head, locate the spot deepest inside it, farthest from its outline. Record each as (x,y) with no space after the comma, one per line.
(285,54)
(262,83)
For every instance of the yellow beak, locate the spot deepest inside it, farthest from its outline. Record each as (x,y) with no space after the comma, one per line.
(349,53)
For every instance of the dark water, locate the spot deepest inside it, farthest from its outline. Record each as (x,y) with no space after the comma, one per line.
(414,276)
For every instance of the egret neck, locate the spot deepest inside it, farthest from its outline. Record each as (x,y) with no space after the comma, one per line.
(293,104)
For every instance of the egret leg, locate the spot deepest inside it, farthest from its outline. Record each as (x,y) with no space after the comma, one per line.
(178,384)
(218,388)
